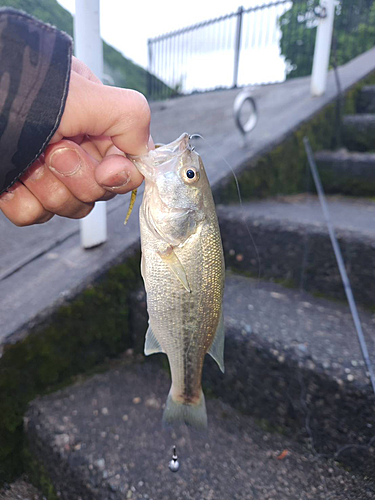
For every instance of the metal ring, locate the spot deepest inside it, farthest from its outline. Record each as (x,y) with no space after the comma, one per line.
(240,100)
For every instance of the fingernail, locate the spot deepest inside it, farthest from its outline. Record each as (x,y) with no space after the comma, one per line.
(151,144)
(7,196)
(65,161)
(117,180)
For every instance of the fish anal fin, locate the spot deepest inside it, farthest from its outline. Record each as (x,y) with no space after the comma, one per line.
(217,347)
(174,264)
(152,345)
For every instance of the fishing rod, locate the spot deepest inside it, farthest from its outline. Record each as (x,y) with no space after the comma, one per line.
(340,261)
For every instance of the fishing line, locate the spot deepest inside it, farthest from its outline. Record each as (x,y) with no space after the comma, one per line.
(239,198)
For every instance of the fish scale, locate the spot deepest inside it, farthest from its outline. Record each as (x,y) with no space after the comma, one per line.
(183,270)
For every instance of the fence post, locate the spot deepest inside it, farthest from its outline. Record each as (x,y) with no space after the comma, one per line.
(237,46)
(89,49)
(149,71)
(322,49)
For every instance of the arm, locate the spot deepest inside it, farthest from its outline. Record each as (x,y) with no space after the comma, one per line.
(34,77)
(87,126)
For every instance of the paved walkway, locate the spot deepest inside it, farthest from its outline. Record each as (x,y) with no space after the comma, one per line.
(41,266)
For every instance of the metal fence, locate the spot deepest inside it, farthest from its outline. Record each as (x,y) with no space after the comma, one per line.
(223,52)
(262,44)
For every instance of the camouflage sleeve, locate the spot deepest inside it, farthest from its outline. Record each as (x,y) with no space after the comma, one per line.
(35,61)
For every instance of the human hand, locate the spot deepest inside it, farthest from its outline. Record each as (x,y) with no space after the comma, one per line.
(85,159)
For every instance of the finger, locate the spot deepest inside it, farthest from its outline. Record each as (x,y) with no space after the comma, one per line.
(94,109)
(75,169)
(86,178)
(77,138)
(117,174)
(97,147)
(83,70)
(54,196)
(101,145)
(22,208)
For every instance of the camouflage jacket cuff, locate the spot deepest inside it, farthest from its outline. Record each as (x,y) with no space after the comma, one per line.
(35,61)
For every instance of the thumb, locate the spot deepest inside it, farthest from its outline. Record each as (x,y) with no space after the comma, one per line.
(95,109)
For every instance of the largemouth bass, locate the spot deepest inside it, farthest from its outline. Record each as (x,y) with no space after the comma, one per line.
(183,271)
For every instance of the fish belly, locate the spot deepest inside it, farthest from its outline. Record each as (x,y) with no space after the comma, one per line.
(185,323)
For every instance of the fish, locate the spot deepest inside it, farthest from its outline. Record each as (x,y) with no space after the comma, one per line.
(182,266)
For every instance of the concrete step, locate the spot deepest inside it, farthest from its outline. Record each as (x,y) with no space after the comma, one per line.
(347,172)
(294,381)
(358,132)
(293,245)
(102,439)
(21,490)
(366,99)
(290,358)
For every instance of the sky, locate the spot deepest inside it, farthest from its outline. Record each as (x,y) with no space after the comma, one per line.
(127,26)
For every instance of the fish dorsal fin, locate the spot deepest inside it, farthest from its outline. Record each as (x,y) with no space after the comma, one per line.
(152,345)
(174,264)
(217,347)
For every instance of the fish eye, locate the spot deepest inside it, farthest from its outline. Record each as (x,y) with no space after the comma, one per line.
(191,175)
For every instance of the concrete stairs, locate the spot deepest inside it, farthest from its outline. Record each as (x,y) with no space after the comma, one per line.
(289,243)
(366,100)
(294,401)
(292,417)
(351,170)
(359,131)
(21,489)
(102,440)
(347,172)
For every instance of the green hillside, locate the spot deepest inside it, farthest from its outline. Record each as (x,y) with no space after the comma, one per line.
(123,71)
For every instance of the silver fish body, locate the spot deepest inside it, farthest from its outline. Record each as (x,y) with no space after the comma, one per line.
(183,271)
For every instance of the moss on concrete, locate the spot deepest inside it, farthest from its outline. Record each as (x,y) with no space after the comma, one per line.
(284,169)
(78,336)
(38,475)
(358,134)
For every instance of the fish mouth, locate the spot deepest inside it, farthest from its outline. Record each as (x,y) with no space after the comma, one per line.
(161,157)
(165,152)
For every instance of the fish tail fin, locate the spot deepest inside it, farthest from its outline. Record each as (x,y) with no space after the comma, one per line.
(194,415)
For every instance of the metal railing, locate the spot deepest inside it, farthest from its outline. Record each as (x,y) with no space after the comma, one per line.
(263,44)
(227,51)
(236,49)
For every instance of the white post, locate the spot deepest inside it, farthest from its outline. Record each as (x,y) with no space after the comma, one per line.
(89,49)
(322,50)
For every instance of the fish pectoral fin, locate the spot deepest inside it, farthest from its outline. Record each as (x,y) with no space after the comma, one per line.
(143,271)
(217,348)
(174,264)
(152,345)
